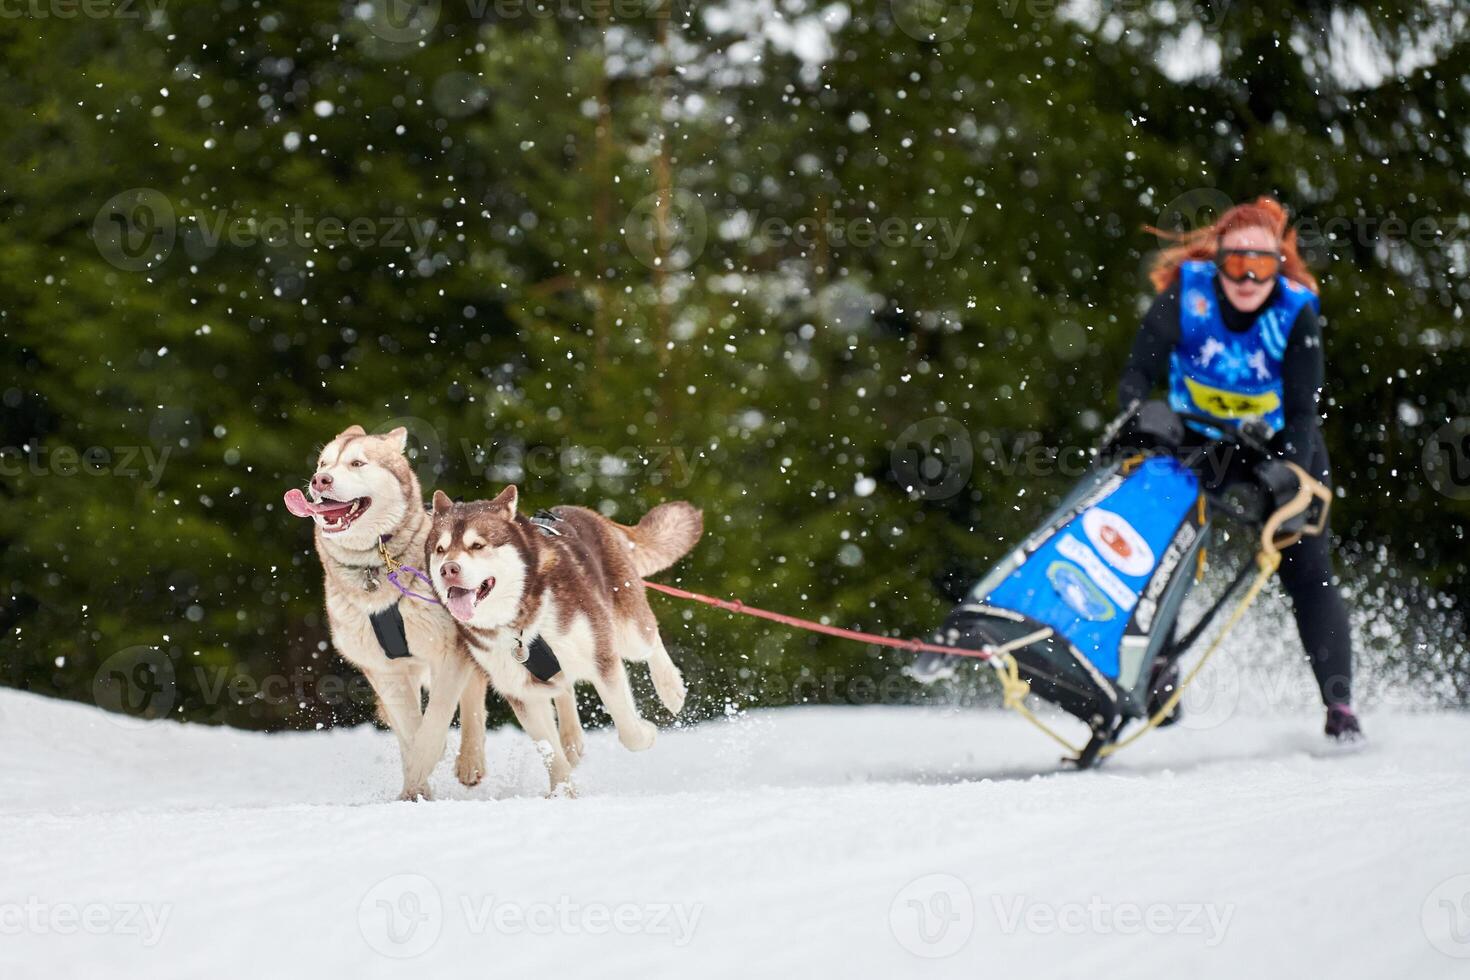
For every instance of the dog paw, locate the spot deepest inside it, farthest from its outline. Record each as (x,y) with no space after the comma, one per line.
(573,746)
(638,736)
(469,770)
(416,795)
(674,700)
(671,688)
(563,790)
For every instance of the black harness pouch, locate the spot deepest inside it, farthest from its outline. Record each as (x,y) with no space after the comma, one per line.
(541,661)
(388,626)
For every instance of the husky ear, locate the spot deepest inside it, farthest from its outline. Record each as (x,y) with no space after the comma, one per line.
(399,438)
(507,501)
(352,430)
(442,502)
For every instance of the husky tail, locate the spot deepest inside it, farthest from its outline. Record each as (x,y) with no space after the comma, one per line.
(665,535)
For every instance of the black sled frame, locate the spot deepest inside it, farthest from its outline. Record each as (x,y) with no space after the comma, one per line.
(1275,499)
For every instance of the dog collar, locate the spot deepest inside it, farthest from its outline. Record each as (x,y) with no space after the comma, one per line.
(370,572)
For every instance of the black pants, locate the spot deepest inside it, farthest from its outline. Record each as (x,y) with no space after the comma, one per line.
(1321,615)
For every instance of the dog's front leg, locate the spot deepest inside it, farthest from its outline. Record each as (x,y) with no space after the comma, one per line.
(470,768)
(398,696)
(569,724)
(539,721)
(427,747)
(611,681)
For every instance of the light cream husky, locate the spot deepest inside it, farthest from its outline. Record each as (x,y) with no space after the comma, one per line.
(575,581)
(366,501)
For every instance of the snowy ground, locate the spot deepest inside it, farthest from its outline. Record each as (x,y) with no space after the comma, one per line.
(847,842)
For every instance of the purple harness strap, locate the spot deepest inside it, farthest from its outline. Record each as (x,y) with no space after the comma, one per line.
(393,577)
(395,566)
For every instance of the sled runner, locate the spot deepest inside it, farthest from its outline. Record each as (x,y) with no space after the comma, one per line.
(1083,612)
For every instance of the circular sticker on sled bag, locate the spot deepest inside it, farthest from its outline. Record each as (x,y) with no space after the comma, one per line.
(1078,592)
(1115,539)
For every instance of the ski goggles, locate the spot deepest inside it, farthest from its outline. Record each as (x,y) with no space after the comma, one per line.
(1240,264)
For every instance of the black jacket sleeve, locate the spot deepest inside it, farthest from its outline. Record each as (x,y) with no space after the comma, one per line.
(1301,383)
(1148,362)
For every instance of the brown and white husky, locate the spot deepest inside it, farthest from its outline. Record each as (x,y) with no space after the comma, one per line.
(364,494)
(575,581)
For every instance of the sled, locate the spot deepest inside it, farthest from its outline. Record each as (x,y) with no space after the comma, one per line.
(1083,613)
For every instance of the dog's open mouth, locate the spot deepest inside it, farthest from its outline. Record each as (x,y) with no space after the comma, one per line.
(337,515)
(462,602)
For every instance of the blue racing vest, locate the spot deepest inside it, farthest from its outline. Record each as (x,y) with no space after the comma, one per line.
(1223,373)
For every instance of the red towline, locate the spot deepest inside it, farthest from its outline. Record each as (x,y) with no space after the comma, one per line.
(736,606)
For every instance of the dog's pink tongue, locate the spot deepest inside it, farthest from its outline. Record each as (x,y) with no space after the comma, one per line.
(461,605)
(297,504)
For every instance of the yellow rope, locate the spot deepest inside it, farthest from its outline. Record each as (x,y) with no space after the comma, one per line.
(1266,563)
(1199,565)
(1014,688)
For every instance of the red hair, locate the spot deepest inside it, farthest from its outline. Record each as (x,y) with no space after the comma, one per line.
(1202,243)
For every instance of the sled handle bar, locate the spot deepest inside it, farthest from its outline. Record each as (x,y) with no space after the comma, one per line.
(1229,435)
(1309,491)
